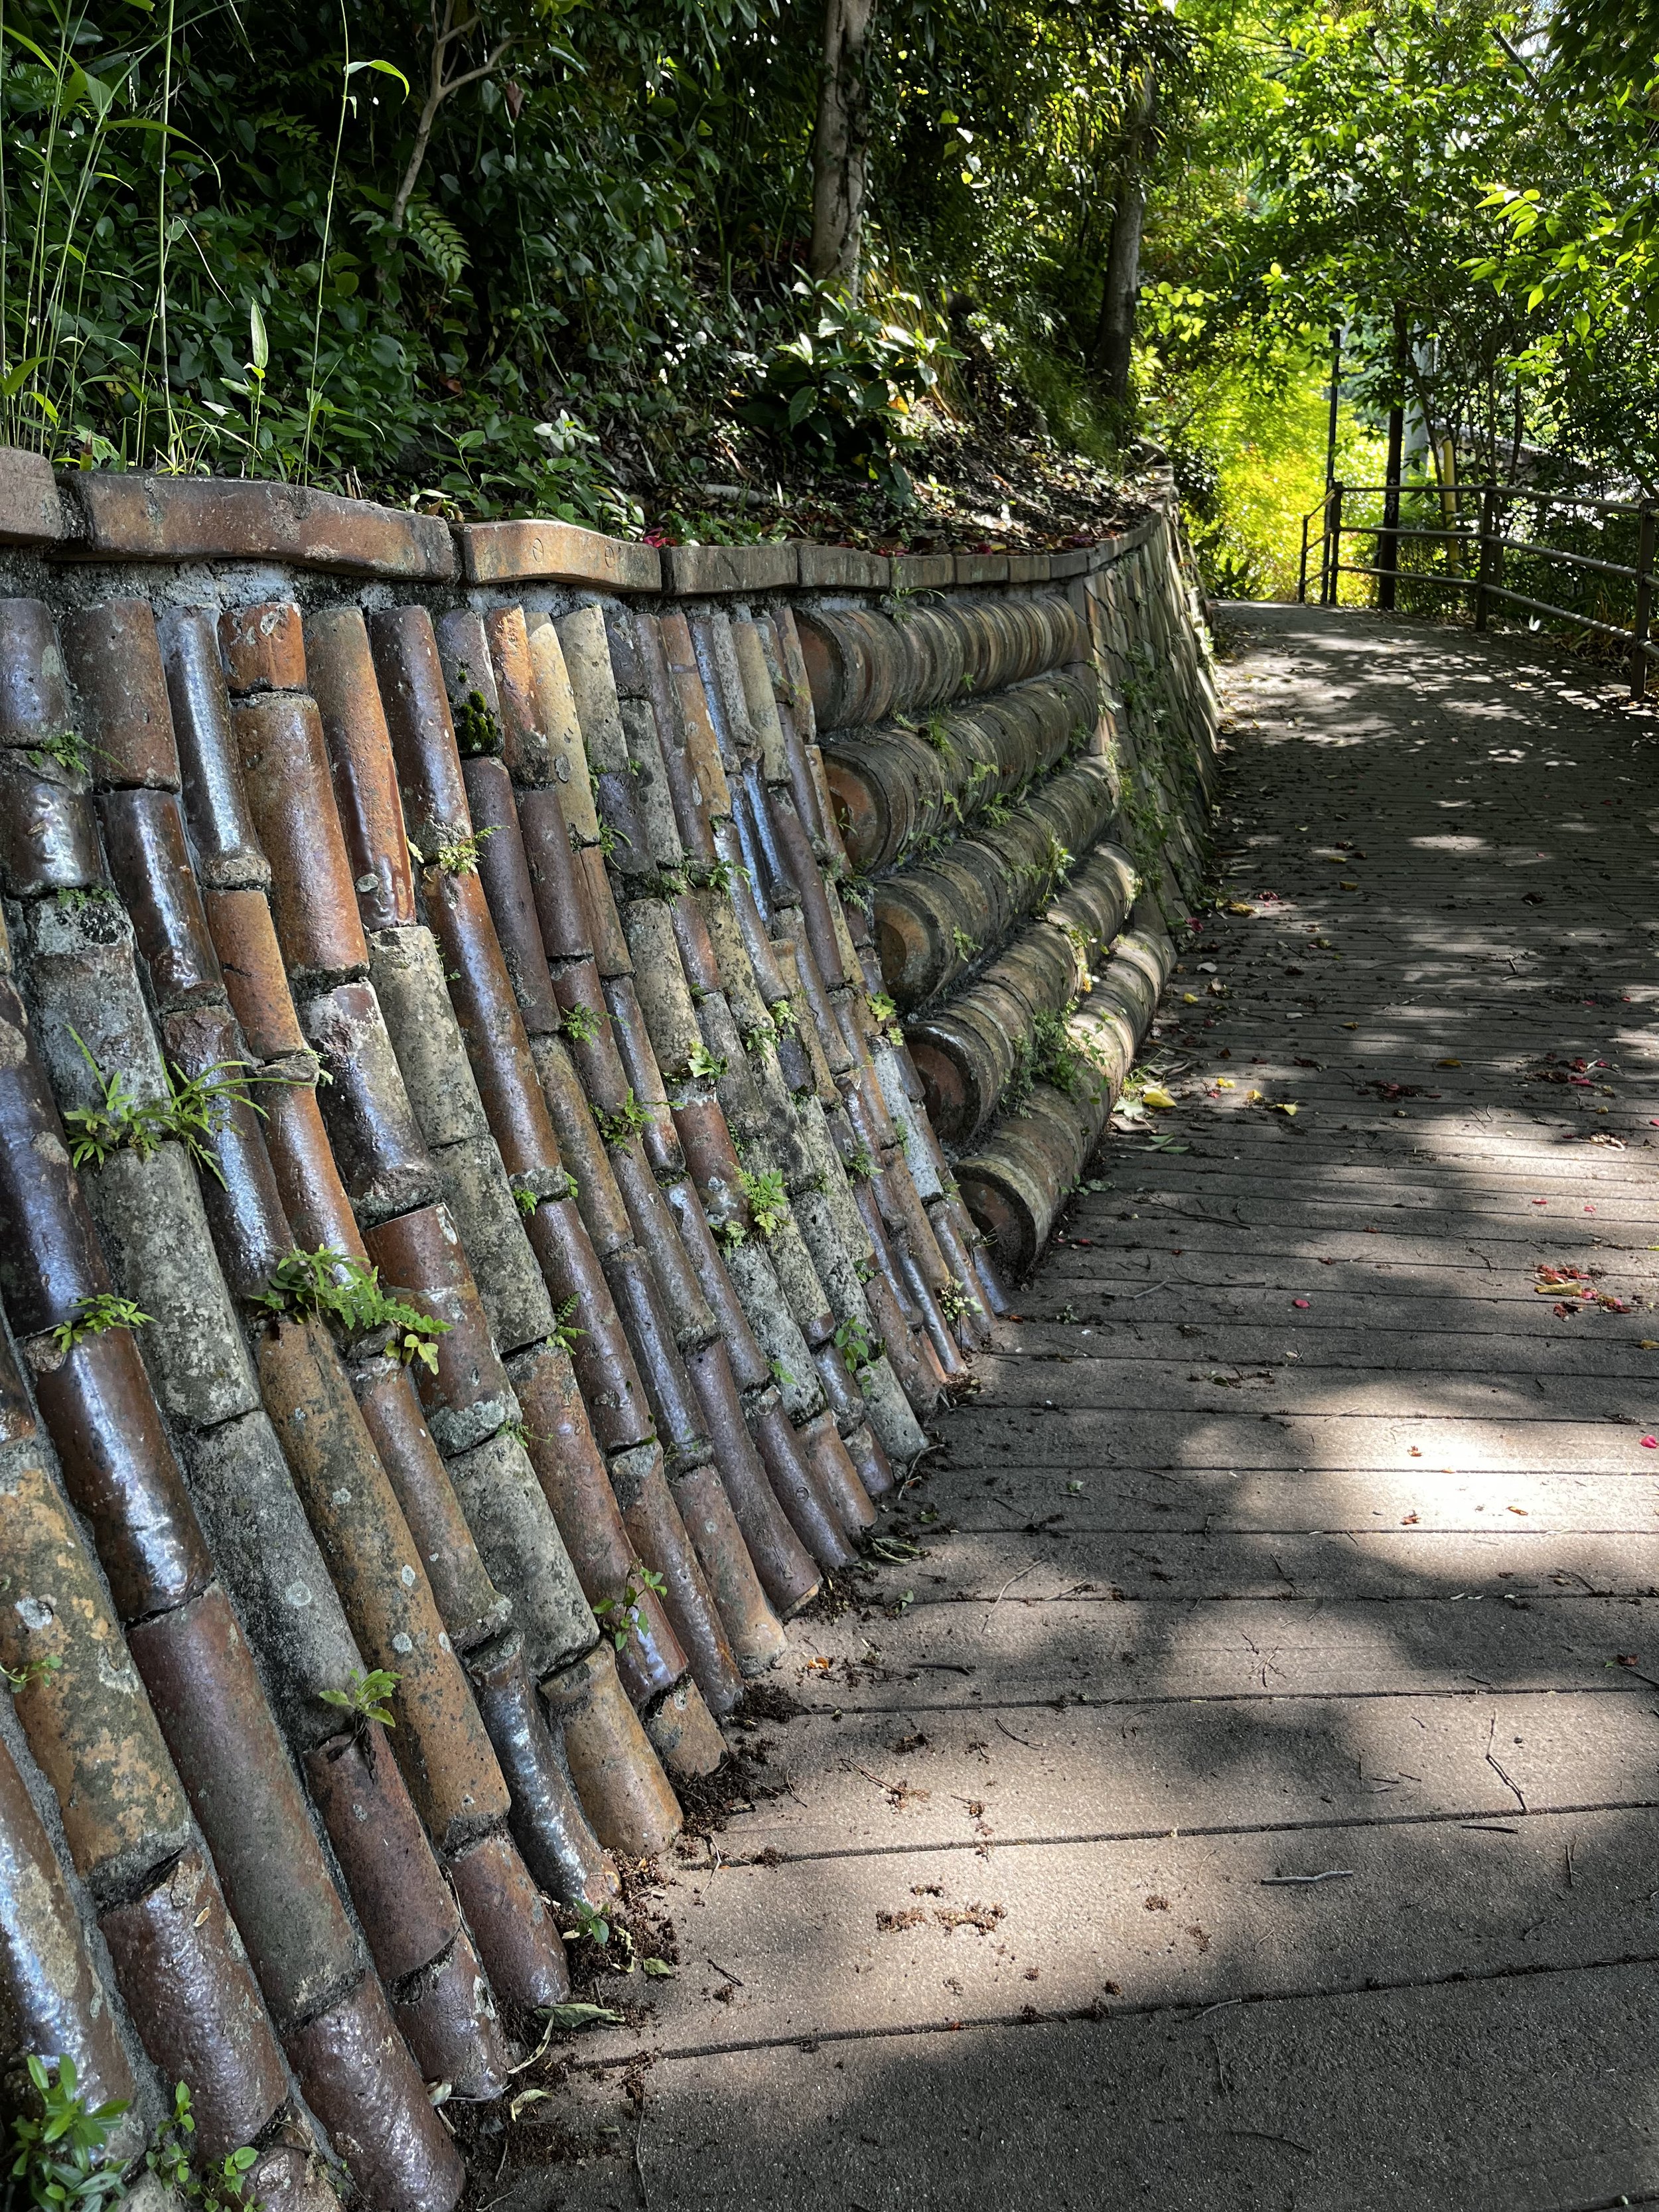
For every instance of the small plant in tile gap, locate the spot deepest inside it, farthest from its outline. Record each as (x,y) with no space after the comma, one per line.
(366,1697)
(616,1128)
(63,2153)
(767,1197)
(96,1315)
(620,1617)
(67,750)
(855,1344)
(476,728)
(459,854)
(216,2187)
(341,1290)
(564,1331)
(193,1113)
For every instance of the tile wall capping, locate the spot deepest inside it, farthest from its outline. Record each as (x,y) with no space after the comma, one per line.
(981,567)
(31,508)
(693,572)
(150,518)
(923,572)
(549,552)
(841,568)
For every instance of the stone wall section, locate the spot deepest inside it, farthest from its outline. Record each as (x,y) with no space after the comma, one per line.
(694,979)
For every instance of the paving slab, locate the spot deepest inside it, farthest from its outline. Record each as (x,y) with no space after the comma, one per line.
(912,1937)
(1063,1648)
(1143,1771)
(1479,2095)
(1328,1502)
(1080,1441)
(1412,1391)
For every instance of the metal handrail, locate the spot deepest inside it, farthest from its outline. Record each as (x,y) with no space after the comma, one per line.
(1559,553)
(1486,539)
(1506,491)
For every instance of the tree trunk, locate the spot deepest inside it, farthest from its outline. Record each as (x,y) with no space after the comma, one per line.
(840,144)
(1115,336)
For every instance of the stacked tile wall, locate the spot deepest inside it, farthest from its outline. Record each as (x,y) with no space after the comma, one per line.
(652,967)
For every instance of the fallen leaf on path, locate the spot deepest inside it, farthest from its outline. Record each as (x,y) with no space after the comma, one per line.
(1302,1303)
(573,2017)
(1449,1063)
(1155,1095)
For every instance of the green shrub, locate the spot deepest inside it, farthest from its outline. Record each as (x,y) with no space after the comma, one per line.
(841,391)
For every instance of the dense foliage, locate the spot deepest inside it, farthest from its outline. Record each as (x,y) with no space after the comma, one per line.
(1474,177)
(226,245)
(494,255)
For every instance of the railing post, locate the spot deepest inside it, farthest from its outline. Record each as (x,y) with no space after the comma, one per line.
(1388,539)
(1302,572)
(1325,550)
(1488,552)
(1331,582)
(1638,659)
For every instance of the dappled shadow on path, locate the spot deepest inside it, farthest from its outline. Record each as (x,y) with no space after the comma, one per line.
(1293,1533)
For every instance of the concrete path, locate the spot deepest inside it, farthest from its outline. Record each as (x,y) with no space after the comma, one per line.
(1246,1791)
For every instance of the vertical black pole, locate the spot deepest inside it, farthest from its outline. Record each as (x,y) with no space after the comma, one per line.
(1387,551)
(1488,553)
(1643,615)
(1336,392)
(1332,587)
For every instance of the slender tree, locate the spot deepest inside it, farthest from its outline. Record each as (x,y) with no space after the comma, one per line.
(1115,334)
(447,72)
(840,144)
